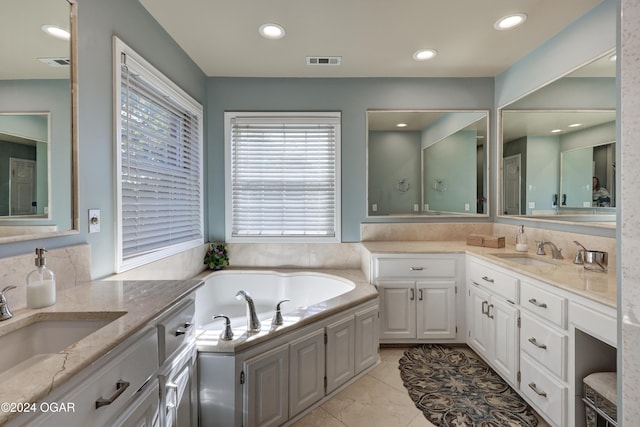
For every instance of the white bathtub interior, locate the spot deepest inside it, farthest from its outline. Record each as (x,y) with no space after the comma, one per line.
(266,288)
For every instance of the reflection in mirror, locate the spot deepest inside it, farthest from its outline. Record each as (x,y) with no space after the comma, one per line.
(24,165)
(427,163)
(36,133)
(555,141)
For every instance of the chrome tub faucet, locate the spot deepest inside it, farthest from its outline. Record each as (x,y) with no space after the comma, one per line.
(253,323)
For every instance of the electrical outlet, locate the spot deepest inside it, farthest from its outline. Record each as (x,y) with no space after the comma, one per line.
(467,207)
(426,206)
(374,207)
(532,205)
(94,220)
(586,204)
(416,207)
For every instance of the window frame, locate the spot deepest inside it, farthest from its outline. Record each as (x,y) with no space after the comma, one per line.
(170,89)
(291,115)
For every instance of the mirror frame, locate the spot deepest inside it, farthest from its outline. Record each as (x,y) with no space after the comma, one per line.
(73,185)
(418,217)
(550,219)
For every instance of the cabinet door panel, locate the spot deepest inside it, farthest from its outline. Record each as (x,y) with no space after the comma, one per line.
(436,309)
(504,319)
(479,326)
(366,338)
(340,353)
(397,310)
(306,379)
(266,397)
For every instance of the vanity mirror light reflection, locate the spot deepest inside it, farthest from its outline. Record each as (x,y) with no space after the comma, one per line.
(558,144)
(37,132)
(424,163)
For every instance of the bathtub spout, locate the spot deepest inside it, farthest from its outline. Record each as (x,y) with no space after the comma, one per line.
(253,323)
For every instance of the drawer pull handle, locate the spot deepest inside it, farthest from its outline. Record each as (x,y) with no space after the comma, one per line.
(179,332)
(420,297)
(412,295)
(121,386)
(488,279)
(484,307)
(187,325)
(538,304)
(533,341)
(533,387)
(489,315)
(416,268)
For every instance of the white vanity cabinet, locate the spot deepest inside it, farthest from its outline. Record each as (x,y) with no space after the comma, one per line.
(418,297)
(147,380)
(492,296)
(544,345)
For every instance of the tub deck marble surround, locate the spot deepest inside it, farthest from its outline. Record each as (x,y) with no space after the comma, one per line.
(563,274)
(208,340)
(139,302)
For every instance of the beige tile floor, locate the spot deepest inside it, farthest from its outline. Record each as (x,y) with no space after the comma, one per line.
(378,399)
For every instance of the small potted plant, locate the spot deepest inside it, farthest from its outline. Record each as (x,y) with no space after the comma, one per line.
(216,257)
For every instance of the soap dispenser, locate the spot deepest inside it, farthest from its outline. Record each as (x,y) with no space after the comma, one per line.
(41,284)
(522,244)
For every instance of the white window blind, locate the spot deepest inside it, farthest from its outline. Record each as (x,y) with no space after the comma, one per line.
(159,165)
(284,176)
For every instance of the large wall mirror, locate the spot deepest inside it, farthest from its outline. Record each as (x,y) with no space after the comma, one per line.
(559,149)
(37,109)
(426,163)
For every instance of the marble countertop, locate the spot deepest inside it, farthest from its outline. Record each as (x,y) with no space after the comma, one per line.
(563,274)
(207,340)
(133,304)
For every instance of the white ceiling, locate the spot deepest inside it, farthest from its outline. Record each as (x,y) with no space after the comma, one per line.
(375,38)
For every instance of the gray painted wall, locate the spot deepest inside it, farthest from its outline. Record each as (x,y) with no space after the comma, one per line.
(350,96)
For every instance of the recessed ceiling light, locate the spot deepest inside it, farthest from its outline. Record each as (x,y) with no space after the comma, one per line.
(57,32)
(401,125)
(510,21)
(424,54)
(575,125)
(556,131)
(271,31)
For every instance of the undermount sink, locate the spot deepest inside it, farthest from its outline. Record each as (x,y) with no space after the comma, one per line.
(523,259)
(39,338)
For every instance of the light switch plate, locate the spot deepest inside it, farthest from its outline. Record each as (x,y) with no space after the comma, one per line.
(94,220)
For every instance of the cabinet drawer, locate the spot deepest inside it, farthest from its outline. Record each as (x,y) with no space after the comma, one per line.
(543,344)
(110,389)
(175,328)
(545,304)
(497,281)
(546,393)
(415,267)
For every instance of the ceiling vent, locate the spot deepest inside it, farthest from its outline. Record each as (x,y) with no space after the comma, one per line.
(56,62)
(324,60)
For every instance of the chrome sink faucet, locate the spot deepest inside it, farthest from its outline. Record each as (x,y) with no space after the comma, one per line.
(5,313)
(555,252)
(253,323)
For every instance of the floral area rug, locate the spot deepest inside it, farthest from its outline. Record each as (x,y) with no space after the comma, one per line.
(452,386)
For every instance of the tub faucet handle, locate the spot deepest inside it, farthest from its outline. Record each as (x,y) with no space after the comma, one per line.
(277,318)
(227,333)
